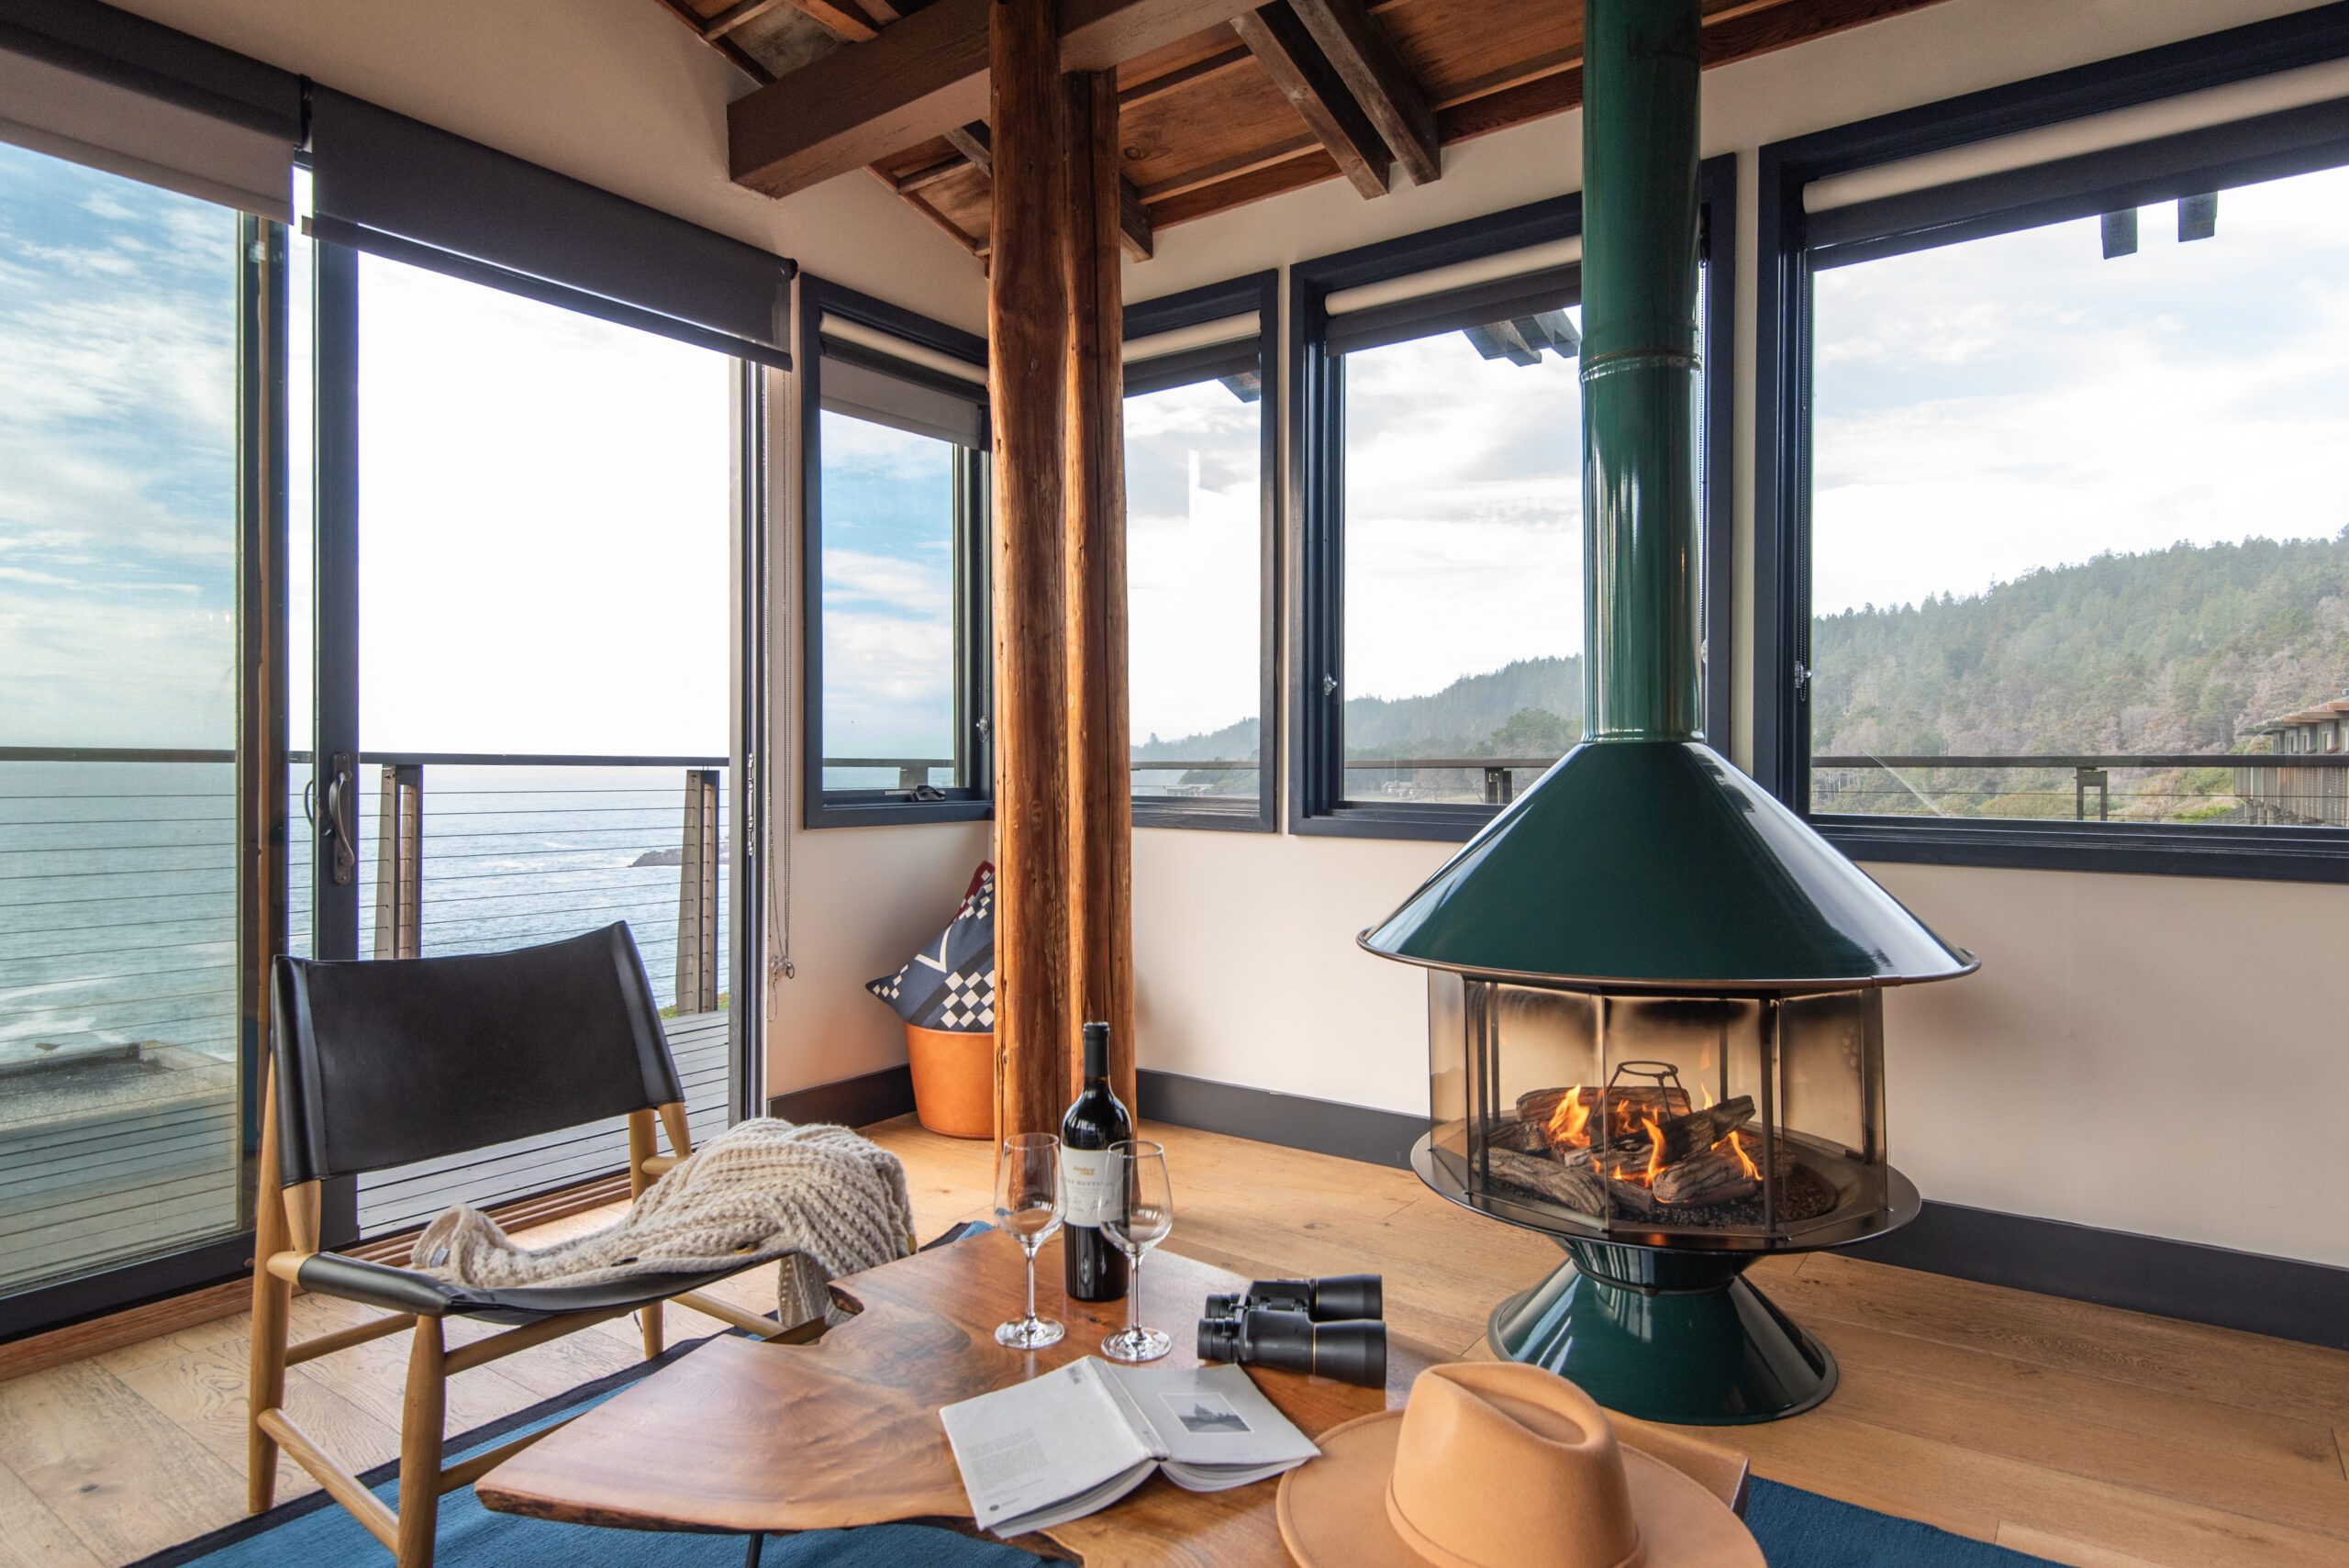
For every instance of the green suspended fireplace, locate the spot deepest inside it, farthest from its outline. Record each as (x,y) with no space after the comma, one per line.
(1655,1015)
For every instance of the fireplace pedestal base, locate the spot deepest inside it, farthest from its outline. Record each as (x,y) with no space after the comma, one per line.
(1665,1336)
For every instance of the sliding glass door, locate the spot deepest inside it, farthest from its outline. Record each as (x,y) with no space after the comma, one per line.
(123,517)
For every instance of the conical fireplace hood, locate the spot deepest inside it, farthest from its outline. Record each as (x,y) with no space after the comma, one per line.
(1646,857)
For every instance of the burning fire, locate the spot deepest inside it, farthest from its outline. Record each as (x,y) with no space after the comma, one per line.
(1736,1147)
(1567,1121)
(1655,1153)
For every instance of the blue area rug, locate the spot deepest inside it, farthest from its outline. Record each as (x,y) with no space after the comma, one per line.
(1802,1529)
(315,1530)
(1795,1529)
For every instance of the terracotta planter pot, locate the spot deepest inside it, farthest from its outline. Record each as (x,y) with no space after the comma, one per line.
(954,1081)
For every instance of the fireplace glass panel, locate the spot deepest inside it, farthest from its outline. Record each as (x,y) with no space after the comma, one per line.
(1727,1117)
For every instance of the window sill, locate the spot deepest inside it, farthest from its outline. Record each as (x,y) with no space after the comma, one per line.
(1231,815)
(1436,824)
(2266,854)
(894,813)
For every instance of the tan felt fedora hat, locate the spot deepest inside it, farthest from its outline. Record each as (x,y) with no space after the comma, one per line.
(1492,1464)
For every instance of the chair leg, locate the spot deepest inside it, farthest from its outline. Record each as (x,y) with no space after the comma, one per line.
(651,1319)
(264,1384)
(421,1422)
(266,1378)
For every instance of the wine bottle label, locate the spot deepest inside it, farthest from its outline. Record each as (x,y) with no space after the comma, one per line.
(1084,1186)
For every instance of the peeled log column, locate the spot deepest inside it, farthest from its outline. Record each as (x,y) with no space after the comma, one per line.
(1100,816)
(1028,345)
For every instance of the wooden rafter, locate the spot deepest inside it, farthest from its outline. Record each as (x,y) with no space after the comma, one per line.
(1214,125)
(975,144)
(733,17)
(919,77)
(1313,87)
(1362,55)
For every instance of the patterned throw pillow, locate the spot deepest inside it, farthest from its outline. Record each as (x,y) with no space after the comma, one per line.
(950,983)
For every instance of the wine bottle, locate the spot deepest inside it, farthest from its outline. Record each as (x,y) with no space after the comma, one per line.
(1092,1267)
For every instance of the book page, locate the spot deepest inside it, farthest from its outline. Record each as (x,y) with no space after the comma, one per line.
(1213,1417)
(1059,1436)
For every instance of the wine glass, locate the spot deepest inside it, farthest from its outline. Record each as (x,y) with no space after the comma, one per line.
(1138,1216)
(1028,1205)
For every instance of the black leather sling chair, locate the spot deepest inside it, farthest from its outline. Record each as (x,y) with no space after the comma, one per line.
(383,1063)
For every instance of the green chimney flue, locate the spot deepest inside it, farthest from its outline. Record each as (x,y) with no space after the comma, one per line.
(1640,587)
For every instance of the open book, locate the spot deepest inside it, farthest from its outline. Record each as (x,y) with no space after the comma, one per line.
(1076,1439)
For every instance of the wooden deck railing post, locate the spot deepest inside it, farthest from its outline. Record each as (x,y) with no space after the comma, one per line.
(697,895)
(1027,338)
(1100,798)
(399,863)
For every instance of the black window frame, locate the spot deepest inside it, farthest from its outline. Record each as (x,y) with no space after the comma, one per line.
(1259,292)
(2266,146)
(1315,425)
(975,632)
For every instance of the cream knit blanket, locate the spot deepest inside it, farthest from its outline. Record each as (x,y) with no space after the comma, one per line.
(758,1190)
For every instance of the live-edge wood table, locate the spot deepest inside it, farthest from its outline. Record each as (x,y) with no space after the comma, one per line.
(746,1438)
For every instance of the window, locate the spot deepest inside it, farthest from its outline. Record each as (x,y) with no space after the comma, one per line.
(2064,561)
(1199,443)
(122,311)
(894,438)
(1440,414)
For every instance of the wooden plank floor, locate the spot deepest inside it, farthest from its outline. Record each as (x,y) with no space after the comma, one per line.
(2093,1437)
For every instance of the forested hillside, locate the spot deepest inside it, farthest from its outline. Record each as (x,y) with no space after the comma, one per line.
(1531,708)
(2181,649)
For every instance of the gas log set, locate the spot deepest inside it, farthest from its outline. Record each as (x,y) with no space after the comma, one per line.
(1642,1149)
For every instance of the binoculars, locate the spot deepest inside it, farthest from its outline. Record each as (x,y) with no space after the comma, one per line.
(1330,1300)
(1328,1327)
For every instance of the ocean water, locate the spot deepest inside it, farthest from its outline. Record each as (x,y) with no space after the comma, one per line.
(117,888)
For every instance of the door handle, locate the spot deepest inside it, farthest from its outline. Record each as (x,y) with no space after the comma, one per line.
(342,781)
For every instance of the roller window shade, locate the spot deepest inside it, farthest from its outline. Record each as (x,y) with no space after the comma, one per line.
(112,91)
(403,189)
(1237,364)
(866,384)
(1507,299)
(1906,218)
(1228,349)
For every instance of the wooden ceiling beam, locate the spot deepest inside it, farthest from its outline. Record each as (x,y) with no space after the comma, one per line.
(1136,234)
(733,17)
(1313,87)
(919,78)
(929,174)
(732,49)
(1183,76)
(1358,49)
(976,146)
(838,20)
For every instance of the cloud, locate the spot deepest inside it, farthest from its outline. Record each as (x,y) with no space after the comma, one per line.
(1968,434)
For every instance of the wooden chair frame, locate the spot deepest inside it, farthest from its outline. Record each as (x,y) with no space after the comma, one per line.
(285,1232)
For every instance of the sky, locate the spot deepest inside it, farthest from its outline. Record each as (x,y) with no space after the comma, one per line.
(545,507)
(1463,514)
(888,519)
(1193,533)
(544,511)
(2021,402)
(117,461)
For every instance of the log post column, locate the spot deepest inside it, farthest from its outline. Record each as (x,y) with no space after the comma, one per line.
(1100,810)
(1028,342)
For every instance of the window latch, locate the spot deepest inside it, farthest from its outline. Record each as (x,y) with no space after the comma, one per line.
(1329,686)
(1802,676)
